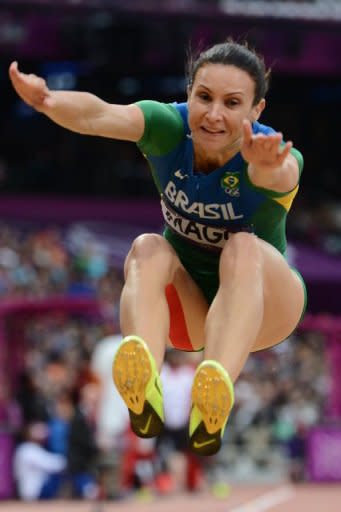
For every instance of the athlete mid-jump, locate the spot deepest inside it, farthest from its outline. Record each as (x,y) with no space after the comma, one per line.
(218,278)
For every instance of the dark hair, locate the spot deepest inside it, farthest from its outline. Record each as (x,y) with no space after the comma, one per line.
(234,54)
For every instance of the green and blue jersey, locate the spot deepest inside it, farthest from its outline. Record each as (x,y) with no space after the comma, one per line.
(204,208)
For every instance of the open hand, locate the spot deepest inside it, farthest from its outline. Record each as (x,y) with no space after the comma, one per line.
(263,151)
(31,88)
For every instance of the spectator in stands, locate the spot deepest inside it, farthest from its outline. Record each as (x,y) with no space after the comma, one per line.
(32,401)
(59,425)
(82,449)
(36,470)
(112,416)
(177,461)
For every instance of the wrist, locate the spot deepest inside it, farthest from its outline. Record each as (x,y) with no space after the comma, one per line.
(263,175)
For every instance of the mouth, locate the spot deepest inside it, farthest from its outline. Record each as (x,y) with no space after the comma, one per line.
(209,131)
(212,131)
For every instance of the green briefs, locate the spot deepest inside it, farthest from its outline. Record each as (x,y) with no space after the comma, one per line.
(203,266)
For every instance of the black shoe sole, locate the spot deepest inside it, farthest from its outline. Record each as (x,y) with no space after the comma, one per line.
(203,443)
(147,424)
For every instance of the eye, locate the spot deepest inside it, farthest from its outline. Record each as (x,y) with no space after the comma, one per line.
(204,96)
(232,102)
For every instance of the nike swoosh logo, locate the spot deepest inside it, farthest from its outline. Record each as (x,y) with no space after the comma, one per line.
(146,428)
(179,174)
(204,443)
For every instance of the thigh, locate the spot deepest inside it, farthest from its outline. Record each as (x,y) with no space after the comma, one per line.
(188,310)
(186,302)
(284,298)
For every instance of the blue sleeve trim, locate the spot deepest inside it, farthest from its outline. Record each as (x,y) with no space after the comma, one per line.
(262,128)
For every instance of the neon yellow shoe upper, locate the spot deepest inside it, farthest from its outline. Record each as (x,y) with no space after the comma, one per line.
(212,401)
(138,381)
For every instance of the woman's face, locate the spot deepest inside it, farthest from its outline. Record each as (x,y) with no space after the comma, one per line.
(220,98)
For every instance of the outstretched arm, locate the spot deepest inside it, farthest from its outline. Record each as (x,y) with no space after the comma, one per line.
(271,165)
(80,112)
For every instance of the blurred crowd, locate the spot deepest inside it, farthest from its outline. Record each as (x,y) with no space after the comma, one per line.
(70,427)
(40,262)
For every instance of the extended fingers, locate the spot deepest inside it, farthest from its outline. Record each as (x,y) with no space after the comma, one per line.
(247,132)
(269,144)
(260,141)
(284,151)
(264,150)
(31,88)
(15,75)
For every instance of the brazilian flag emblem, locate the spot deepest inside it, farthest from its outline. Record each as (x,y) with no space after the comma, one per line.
(230,182)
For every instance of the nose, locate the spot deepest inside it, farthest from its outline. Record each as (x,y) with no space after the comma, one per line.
(214,112)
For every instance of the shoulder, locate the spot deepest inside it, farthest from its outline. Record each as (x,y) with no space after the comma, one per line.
(164,126)
(156,111)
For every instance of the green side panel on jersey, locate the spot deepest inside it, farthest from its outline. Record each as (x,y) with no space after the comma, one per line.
(164,128)
(270,218)
(155,177)
(269,224)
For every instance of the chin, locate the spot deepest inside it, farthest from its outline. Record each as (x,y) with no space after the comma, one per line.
(209,146)
(213,147)
(209,141)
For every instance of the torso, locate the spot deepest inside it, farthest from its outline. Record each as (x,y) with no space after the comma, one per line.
(205,206)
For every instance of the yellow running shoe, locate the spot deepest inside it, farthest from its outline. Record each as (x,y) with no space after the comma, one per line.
(139,384)
(212,401)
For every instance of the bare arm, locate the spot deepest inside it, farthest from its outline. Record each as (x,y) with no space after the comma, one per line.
(80,112)
(271,165)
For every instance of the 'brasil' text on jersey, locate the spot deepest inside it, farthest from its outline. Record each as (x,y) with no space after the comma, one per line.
(203,210)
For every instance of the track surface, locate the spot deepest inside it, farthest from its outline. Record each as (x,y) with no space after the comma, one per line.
(283,498)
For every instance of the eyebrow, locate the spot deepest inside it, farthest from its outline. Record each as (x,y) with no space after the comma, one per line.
(226,94)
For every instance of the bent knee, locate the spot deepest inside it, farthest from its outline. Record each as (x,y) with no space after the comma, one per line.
(145,245)
(150,249)
(242,254)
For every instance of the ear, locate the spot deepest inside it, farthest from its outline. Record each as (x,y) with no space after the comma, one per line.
(257,110)
(189,90)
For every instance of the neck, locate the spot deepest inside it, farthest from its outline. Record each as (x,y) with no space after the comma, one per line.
(207,163)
